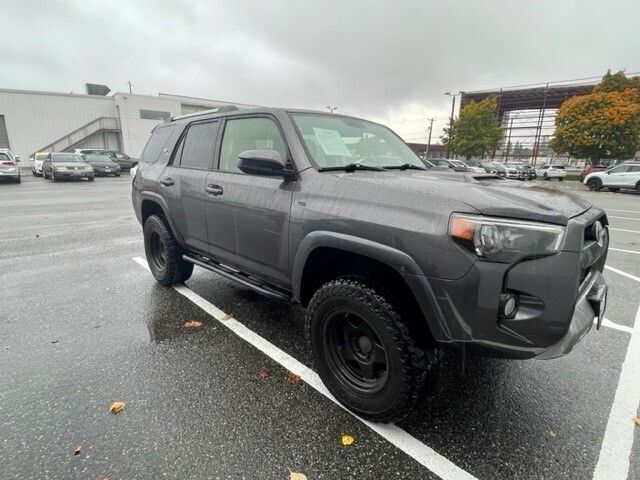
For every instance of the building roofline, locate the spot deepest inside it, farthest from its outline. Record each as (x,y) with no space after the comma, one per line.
(60,94)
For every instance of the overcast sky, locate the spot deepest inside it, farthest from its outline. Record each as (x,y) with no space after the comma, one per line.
(387,60)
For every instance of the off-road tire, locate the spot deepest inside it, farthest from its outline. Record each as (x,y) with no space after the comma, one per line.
(173,269)
(412,371)
(594,184)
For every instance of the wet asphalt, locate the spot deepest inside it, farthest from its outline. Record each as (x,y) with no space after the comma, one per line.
(82,325)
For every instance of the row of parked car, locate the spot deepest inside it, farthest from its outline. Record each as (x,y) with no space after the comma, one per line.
(81,164)
(513,171)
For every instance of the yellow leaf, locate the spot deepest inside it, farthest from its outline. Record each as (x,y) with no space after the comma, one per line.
(293,378)
(297,476)
(78,450)
(117,407)
(636,420)
(347,439)
(192,324)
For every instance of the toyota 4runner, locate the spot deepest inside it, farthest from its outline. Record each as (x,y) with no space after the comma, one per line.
(392,260)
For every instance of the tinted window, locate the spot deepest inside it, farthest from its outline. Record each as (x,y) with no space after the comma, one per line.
(156,143)
(634,168)
(620,169)
(242,134)
(196,150)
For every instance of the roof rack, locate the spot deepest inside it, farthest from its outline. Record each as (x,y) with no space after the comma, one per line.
(220,109)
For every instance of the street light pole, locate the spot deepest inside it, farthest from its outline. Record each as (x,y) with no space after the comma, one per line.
(453,107)
(426,154)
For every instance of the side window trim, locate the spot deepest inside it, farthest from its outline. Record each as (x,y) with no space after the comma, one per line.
(216,164)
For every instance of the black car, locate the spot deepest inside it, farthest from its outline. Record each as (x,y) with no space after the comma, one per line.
(125,161)
(393,261)
(102,165)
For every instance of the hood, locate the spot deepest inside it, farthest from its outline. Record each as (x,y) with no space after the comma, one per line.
(487,194)
(70,164)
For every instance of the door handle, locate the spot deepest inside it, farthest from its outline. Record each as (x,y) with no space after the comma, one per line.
(214,190)
(167,181)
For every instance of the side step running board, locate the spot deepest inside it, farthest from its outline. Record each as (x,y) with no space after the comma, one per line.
(220,270)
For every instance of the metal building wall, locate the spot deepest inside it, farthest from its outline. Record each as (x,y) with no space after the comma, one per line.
(35,119)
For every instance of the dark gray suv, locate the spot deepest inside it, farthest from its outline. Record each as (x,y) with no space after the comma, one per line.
(392,260)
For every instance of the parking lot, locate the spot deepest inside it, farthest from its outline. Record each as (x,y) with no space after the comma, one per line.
(85,324)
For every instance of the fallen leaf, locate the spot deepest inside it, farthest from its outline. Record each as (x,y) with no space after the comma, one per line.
(347,439)
(297,476)
(226,316)
(552,433)
(636,420)
(293,378)
(192,324)
(117,407)
(78,450)
(264,373)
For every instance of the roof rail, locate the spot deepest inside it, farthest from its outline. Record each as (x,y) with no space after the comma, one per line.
(220,109)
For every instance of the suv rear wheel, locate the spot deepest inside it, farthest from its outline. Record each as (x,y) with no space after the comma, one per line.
(365,354)
(594,184)
(164,255)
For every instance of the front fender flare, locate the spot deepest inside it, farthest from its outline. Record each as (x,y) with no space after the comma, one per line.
(393,258)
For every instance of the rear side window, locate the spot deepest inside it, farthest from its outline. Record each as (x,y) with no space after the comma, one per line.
(634,168)
(156,143)
(4,156)
(197,146)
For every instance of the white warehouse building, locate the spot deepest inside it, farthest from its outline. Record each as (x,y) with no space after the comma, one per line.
(34,121)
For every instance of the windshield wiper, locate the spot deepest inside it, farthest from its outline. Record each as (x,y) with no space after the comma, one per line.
(351,167)
(404,166)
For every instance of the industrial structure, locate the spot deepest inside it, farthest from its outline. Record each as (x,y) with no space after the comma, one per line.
(35,121)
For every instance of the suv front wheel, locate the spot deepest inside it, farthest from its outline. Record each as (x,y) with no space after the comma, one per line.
(594,184)
(164,255)
(365,354)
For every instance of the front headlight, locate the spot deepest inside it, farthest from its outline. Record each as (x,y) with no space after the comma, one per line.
(503,240)
(56,167)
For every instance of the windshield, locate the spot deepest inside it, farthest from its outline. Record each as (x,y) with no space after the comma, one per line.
(335,141)
(458,163)
(66,158)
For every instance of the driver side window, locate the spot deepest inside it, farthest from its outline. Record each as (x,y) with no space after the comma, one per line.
(242,134)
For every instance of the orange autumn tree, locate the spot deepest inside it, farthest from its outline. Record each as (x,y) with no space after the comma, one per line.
(603,124)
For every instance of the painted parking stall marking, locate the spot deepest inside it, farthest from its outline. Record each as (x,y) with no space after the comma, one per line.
(398,437)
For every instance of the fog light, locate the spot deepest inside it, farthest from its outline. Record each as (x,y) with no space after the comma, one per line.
(508,305)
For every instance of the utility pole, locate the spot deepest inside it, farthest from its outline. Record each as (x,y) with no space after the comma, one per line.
(130,85)
(453,107)
(426,154)
(331,109)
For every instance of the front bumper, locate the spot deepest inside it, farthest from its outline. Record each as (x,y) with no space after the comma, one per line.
(104,171)
(557,299)
(9,173)
(74,174)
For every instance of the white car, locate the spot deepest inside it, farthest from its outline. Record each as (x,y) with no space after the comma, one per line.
(36,164)
(547,172)
(626,176)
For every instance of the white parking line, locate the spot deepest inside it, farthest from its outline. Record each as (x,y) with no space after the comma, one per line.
(626,218)
(615,326)
(614,459)
(624,274)
(623,230)
(402,440)
(618,210)
(623,250)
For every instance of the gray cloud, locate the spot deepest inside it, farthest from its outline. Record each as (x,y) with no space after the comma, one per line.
(387,60)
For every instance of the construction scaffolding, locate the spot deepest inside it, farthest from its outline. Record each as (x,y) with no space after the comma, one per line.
(527,115)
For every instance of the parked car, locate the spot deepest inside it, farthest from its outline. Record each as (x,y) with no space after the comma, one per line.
(87,151)
(522,174)
(102,165)
(530,172)
(494,168)
(449,164)
(624,176)
(507,171)
(547,172)
(36,165)
(592,168)
(470,168)
(66,165)
(392,261)
(9,168)
(125,161)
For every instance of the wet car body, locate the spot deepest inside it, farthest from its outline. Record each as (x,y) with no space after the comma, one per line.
(102,165)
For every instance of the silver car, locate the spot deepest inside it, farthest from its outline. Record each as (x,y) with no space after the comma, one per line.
(9,165)
(58,166)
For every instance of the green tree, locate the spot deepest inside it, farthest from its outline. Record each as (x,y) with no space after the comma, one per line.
(476,131)
(603,124)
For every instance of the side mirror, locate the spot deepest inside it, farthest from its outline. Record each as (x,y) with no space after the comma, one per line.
(17,158)
(267,163)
